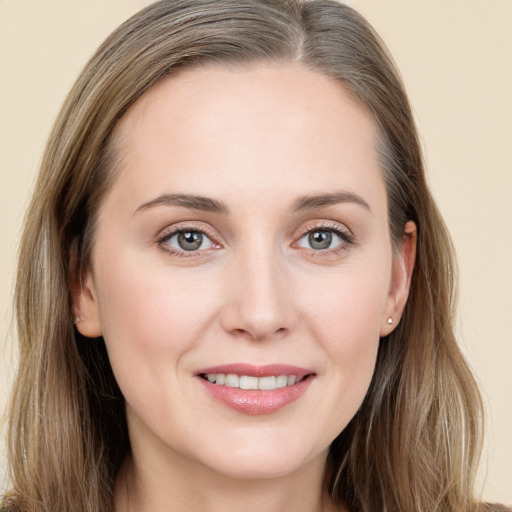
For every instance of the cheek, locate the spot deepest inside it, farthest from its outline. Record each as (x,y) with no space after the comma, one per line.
(347,311)
(150,304)
(346,318)
(150,320)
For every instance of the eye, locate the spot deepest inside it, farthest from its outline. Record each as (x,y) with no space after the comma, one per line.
(186,240)
(324,239)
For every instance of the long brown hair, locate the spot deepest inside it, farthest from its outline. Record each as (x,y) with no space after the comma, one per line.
(414,443)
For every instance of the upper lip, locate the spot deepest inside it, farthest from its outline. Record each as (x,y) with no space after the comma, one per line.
(251,370)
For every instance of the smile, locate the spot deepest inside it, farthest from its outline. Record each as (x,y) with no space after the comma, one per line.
(256,390)
(250,382)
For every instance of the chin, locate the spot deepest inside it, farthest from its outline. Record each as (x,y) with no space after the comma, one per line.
(256,462)
(258,469)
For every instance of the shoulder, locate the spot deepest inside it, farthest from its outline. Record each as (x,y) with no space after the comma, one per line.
(494,507)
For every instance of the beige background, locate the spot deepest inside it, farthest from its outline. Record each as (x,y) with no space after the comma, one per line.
(456,58)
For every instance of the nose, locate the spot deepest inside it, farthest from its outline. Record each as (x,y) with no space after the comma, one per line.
(258,302)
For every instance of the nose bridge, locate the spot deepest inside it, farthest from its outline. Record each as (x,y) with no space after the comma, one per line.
(259,304)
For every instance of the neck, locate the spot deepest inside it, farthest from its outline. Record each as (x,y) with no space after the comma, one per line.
(162,488)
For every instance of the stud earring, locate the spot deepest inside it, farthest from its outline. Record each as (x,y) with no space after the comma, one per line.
(390,320)
(79,319)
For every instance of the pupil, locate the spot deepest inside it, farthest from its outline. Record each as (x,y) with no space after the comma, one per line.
(320,239)
(190,240)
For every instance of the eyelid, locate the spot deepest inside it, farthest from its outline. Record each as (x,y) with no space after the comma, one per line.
(341,230)
(166,233)
(346,235)
(326,225)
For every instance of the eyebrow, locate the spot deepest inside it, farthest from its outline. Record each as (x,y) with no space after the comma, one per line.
(308,202)
(193,202)
(207,204)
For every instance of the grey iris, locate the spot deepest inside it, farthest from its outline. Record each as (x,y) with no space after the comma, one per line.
(320,239)
(190,240)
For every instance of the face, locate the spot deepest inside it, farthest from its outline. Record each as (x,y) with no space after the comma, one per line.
(242,272)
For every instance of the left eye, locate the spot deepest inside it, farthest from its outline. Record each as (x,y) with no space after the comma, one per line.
(189,240)
(321,240)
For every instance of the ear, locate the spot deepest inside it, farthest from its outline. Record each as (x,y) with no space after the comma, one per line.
(83,297)
(403,266)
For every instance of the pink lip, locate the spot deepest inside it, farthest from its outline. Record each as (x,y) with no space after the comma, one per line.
(253,401)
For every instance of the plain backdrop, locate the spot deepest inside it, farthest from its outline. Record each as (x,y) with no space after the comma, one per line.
(456,60)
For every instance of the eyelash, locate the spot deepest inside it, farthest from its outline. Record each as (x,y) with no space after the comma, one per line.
(168,234)
(346,237)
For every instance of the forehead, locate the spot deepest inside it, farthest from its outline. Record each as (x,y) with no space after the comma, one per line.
(258,127)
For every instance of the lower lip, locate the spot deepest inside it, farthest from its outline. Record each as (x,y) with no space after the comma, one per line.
(255,401)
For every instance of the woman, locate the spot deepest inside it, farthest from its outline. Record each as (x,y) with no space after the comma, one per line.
(280,335)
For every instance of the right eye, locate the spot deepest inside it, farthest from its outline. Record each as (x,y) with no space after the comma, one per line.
(185,240)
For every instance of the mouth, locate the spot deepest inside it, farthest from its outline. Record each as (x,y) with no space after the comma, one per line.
(256,390)
(232,380)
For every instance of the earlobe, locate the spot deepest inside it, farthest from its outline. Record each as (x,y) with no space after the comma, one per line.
(403,267)
(83,297)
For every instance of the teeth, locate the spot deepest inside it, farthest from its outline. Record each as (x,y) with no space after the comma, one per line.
(232,380)
(249,382)
(267,383)
(282,381)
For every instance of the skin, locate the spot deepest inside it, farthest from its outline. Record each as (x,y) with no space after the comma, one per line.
(258,140)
